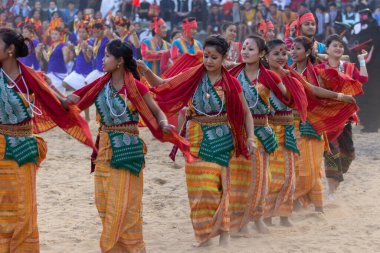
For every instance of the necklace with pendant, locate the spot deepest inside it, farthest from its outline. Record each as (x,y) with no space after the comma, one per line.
(207,95)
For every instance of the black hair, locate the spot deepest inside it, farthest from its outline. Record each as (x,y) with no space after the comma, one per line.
(226,25)
(11,37)
(308,45)
(189,19)
(334,37)
(274,43)
(118,49)
(98,26)
(174,33)
(218,42)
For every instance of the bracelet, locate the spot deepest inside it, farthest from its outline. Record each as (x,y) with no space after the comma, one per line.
(340,97)
(362,63)
(163,120)
(250,139)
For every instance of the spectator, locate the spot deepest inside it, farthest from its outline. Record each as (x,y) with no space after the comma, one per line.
(167,10)
(321,19)
(127,9)
(199,11)
(144,10)
(249,14)
(37,8)
(350,17)
(227,10)
(20,8)
(182,9)
(215,20)
(275,17)
(288,16)
(236,14)
(68,14)
(302,8)
(261,7)
(154,10)
(333,15)
(53,8)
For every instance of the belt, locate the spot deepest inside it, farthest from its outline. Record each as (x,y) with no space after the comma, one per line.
(20,130)
(282,118)
(260,120)
(131,129)
(207,120)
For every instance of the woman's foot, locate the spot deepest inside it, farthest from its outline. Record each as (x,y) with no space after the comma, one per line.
(319,209)
(202,244)
(284,221)
(261,227)
(224,239)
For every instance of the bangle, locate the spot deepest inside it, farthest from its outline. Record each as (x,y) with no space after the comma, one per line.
(362,63)
(163,120)
(250,139)
(340,97)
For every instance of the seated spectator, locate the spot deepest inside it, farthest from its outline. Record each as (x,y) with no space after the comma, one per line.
(144,10)
(68,14)
(167,10)
(350,17)
(249,14)
(199,10)
(227,10)
(288,16)
(275,16)
(20,8)
(53,8)
(333,15)
(154,10)
(215,20)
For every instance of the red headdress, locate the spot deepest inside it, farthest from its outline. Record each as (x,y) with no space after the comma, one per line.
(156,23)
(307,17)
(121,21)
(188,25)
(99,21)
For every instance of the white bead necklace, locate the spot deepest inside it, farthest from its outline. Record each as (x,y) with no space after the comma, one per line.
(108,88)
(34,109)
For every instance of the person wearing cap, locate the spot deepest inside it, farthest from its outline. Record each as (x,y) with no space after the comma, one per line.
(156,50)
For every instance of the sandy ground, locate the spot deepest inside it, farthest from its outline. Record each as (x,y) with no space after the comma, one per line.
(69,222)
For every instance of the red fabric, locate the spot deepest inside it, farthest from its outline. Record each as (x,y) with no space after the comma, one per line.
(350,69)
(175,94)
(325,115)
(156,23)
(142,88)
(89,93)
(53,114)
(188,25)
(271,80)
(182,63)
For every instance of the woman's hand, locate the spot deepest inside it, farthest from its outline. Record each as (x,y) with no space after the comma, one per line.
(166,128)
(72,99)
(251,146)
(348,99)
(363,55)
(142,66)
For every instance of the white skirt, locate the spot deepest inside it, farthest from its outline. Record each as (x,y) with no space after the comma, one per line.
(95,74)
(75,80)
(56,80)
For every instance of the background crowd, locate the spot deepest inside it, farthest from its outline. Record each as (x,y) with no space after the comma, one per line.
(209,14)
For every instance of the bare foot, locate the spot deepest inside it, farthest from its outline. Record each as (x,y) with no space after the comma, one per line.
(319,209)
(243,232)
(284,221)
(202,244)
(297,206)
(224,239)
(261,227)
(268,222)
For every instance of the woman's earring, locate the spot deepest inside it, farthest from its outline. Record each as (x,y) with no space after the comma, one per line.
(118,66)
(10,54)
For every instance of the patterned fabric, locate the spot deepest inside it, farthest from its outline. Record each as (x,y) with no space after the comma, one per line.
(154,64)
(259,186)
(257,98)
(18,205)
(279,200)
(290,136)
(307,130)
(309,187)
(14,110)
(342,154)
(127,150)
(118,198)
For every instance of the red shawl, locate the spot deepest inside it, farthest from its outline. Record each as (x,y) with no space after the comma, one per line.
(182,63)
(175,94)
(339,82)
(89,93)
(271,80)
(325,115)
(53,114)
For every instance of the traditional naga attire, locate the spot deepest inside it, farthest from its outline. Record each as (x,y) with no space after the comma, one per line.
(27,107)
(219,179)
(341,143)
(120,159)
(324,115)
